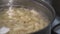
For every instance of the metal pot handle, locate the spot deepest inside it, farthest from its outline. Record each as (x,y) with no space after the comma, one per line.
(55,28)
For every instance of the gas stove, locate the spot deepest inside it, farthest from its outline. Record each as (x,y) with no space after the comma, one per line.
(56,23)
(56,26)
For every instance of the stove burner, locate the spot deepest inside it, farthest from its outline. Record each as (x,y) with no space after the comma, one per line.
(56,26)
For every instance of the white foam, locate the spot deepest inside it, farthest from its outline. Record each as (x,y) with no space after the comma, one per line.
(4,30)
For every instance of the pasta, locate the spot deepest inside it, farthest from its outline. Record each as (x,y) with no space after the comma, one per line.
(22,20)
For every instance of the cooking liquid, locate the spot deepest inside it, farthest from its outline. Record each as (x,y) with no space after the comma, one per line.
(12,20)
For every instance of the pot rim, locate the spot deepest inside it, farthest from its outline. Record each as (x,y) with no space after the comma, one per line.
(48,6)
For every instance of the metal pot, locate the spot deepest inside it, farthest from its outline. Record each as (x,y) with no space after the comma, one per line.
(39,5)
(48,1)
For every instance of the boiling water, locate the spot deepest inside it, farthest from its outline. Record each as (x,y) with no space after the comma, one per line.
(22,20)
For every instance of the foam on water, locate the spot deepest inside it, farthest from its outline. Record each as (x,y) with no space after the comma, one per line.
(10,10)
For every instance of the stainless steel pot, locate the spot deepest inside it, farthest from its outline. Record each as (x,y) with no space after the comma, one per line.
(48,1)
(39,5)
